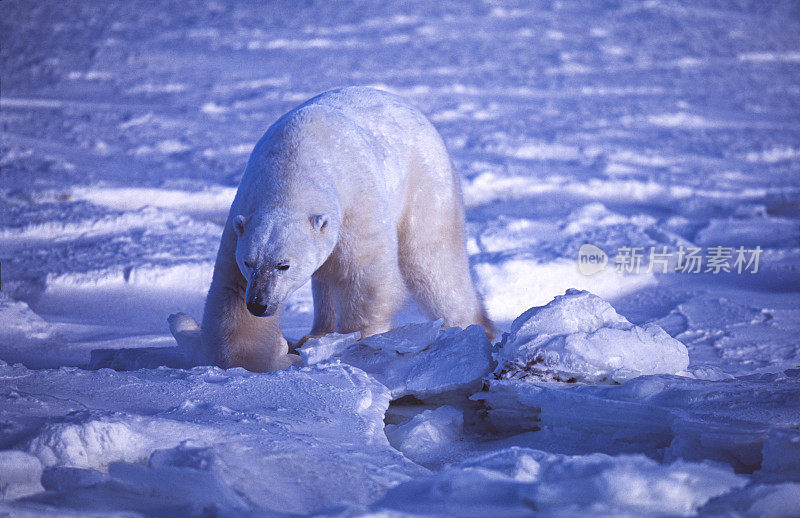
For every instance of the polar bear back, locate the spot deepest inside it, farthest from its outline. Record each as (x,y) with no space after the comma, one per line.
(408,148)
(371,147)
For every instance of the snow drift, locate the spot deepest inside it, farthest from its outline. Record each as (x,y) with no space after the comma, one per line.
(578,337)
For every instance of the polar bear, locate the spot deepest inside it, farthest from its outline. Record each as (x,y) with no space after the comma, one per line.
(355,190)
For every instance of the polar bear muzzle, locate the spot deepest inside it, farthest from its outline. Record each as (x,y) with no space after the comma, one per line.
(261,298)
(259,310)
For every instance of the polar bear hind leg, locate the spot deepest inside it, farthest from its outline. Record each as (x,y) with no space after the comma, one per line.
(435,266)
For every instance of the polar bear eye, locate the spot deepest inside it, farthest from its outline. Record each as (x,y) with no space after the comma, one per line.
(282,267)
(248,264)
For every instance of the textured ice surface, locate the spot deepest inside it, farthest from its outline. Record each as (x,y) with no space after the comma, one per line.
(421,360)
(520,481)
(578,337)
(781,499)
(428,434)
(292,442)
(749,423)
(20,475)
(318,349)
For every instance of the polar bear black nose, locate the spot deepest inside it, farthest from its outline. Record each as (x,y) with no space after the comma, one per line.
(256,309)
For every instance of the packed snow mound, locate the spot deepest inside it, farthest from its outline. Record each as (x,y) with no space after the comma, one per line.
(424,360)
(428,434)
(522,481)
(86,440)
(20,321)
(579,338)
(20,475)
(169,440)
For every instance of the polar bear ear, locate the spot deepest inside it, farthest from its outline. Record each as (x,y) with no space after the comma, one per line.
(238,224)
(319,221)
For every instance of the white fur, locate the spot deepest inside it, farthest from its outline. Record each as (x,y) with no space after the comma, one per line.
(356,190)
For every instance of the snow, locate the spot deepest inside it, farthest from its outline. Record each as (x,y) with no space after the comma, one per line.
(578,337)
(303,440)
(507,297)
(125,130)
(20,322)
(428,434)
(20,475)
(758,500)
(521,481)
(782,453)
(666,417)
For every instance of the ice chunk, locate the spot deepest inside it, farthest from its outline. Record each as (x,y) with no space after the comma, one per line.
(757,500)
(410,338)
(428,433)
(20,322)
(422,360)
(20,474)
(193,489)
(578,337)
(781,453)
(62,478)
(521,481)
(319,349)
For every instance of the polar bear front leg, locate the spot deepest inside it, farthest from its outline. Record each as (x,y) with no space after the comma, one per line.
(368,303)
(324,310)
(231,336)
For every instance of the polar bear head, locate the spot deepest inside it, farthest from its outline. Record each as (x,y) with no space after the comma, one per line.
(278,251)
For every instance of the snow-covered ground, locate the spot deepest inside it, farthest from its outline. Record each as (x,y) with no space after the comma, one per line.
(627,124)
